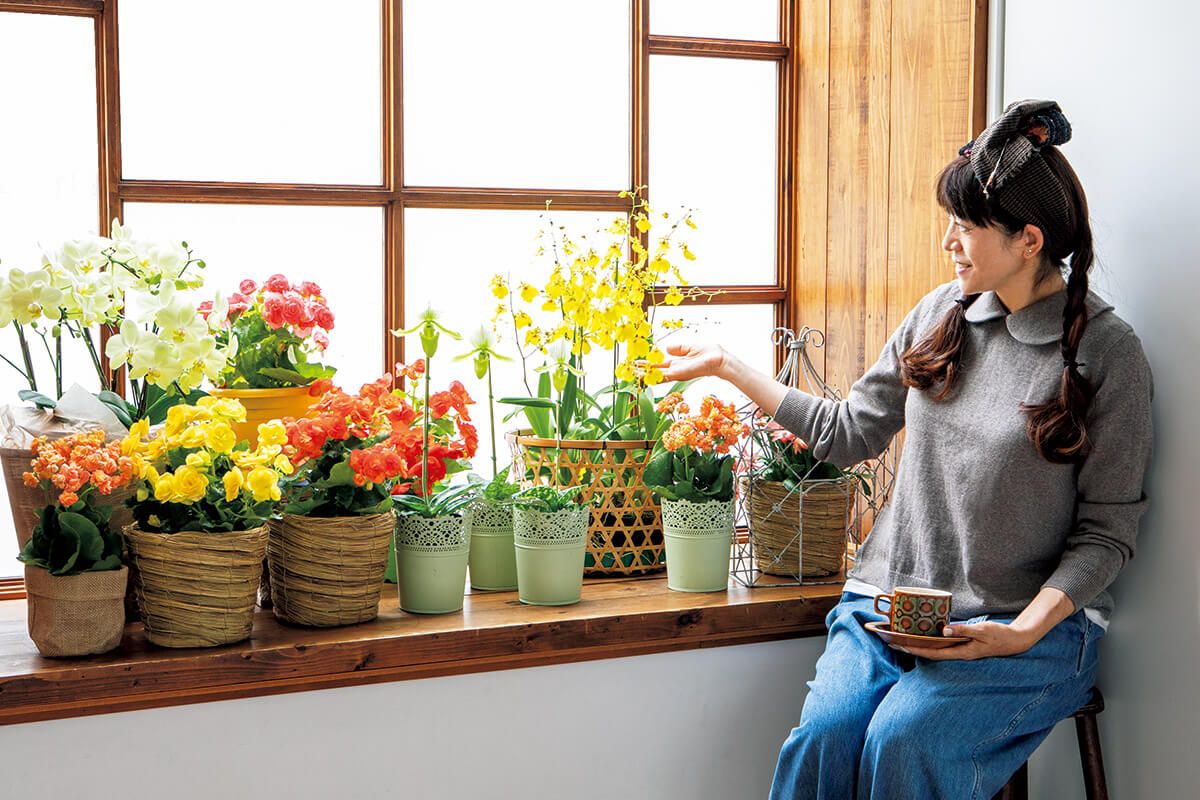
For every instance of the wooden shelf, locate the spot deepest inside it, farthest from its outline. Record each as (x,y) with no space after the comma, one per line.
(617,618)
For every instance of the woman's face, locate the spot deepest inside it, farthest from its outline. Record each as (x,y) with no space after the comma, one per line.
(987,259)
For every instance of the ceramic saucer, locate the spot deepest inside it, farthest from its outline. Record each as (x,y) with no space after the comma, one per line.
(881,629)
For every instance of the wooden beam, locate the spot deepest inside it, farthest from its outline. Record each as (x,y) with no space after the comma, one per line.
(64,8)
(155,191)
(717,48)
(534,199)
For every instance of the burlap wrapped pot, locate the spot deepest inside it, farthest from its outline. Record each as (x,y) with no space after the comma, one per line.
(75,615)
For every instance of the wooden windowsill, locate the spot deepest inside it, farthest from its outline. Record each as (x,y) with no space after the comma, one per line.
(616,618)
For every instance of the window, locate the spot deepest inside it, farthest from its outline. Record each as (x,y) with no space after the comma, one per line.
(380,147)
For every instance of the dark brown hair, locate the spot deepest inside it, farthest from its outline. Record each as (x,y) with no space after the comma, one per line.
(1056,426)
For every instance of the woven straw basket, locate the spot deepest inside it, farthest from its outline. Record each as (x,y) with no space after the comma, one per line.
(328,571)
(76,615)
(197,589)
(625,533)
(775,525)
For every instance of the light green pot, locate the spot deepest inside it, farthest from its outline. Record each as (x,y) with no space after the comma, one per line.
(431,563)
(493,557)
(550,550)
(698,538)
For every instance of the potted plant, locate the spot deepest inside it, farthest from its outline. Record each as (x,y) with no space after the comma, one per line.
(272,332)
(693,474)
(798,507)
(74,578)
(492,561)
(432,542)
(603,293)
(134,292)
(328,551)
(199,533)
(550,528)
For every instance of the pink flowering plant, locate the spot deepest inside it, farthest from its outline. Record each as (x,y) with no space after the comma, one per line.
(274,332)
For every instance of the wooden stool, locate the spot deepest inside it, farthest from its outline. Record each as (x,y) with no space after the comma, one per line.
(1088,733)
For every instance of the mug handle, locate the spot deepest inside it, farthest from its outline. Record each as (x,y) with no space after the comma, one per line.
(881,597)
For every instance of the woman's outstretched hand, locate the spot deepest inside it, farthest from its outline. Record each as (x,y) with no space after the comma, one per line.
(686,360)
(988,639)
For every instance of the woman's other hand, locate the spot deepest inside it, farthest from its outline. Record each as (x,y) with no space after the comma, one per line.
(686,360)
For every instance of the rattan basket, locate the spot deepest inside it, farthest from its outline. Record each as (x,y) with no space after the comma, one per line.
(625,532)
(197,589)
(775,525)
(328,571)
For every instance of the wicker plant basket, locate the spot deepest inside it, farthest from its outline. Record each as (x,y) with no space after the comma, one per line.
(197,589)
(328,571)
(75,615)
(775,515)
(625,532)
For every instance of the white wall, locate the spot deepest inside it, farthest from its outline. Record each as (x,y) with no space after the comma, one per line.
(695,724)
(1127,76)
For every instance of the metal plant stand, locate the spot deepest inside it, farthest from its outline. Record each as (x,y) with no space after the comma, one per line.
(751,554)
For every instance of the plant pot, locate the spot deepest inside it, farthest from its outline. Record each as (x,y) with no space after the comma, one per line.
(698,537)
(264,405)
(197,589)
(431,563)
(801,533)
(625,530)
(75,615)
(24,502)
(493,559)
(328,571)
(550,549)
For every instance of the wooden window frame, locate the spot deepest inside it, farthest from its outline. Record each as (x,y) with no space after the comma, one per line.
(393,195)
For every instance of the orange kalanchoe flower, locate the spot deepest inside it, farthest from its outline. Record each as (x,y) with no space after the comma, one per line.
(78,462)
(715,428)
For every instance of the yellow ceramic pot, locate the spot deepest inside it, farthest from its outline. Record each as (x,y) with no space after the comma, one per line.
(264,405)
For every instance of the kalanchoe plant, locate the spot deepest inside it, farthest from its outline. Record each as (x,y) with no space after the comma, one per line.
(196,476)
(548,499)
(72,534)
(695,462)
(441,453)
(784,457)
(272,332)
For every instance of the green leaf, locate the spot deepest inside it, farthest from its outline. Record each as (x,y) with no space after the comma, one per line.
(566,407)
(658,471)
(649,417)
(284,375)
(123,410)
(528,402)
(37,398)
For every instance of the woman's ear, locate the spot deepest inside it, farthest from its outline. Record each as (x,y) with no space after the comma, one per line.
(1032,241)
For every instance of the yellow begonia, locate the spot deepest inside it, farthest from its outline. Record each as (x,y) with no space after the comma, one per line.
(220,438)
(190,484)
(283,465)
(193,436)
(234,480)
(229,409)
(263,484)
(201,459)
(272,432)
(164,488)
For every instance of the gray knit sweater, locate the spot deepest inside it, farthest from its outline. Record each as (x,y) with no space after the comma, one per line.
(975,510)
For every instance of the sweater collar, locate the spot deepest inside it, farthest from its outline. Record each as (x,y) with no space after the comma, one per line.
(1040,322)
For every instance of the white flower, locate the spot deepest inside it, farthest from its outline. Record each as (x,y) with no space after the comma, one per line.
(131,339)
(27,296)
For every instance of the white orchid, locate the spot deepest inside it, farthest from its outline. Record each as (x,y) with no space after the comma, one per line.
(28,296)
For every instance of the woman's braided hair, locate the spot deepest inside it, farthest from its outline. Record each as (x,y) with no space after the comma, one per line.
(1057,426)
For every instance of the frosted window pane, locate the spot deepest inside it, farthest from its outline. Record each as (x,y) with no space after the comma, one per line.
(341,249)
(516,94)
(716,19)
(48,179)
(269,91)
(712,148)
(484,243)
(743,330)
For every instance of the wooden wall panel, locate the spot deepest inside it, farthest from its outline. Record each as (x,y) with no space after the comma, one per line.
(859,126)
(888,91)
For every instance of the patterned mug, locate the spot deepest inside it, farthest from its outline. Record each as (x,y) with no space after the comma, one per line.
(917,611)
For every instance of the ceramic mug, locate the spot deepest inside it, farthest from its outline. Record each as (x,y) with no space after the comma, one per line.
(917,611)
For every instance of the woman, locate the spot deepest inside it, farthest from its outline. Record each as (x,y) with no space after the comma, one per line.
(1026,402)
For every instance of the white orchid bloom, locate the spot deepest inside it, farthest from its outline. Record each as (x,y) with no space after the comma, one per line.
(27,296)
(84,256)
(219,316)
(157,361)
(131,339)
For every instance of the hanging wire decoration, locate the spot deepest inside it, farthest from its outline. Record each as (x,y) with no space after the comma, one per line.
(803,520)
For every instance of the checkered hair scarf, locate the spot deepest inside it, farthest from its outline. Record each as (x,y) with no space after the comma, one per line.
(1008,163)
